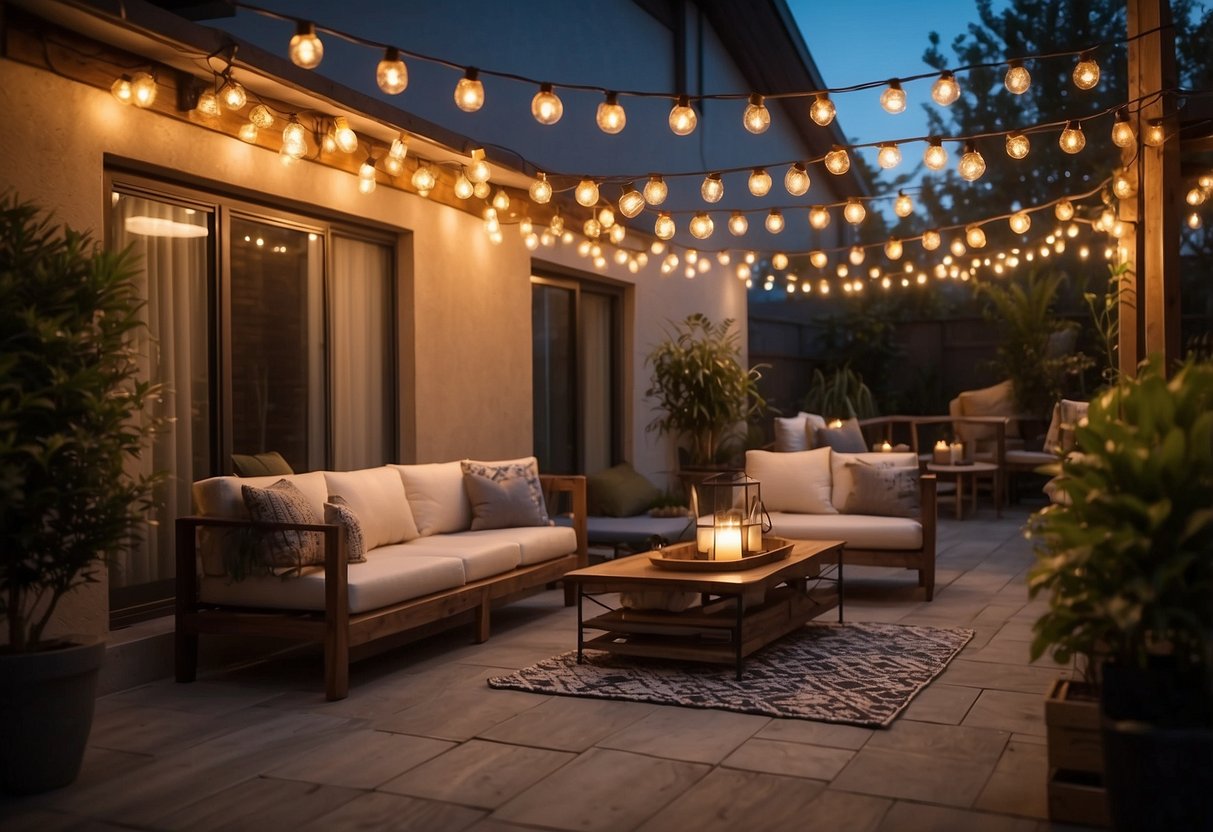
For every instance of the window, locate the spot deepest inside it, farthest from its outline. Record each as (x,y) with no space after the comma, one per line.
(575,330)
(267,332)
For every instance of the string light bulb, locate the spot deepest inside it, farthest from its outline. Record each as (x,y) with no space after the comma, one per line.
(261,117)
(819,217)
(837,161)
(1020,222)
(893,99)
(756,118)
(121,90)
(208,104)
(232,94)
(682,117)
(546,106)
(586,193)
(712,188)
(1123,134)
(1124,188)
(957,247)
(822,110)
(1072,139)
(611,118)
(1017,79)
(366,176)
(606,215)
(857,255)
(1018,145)
(779,261)
(617,233)
(1195,197)
(935,157)
(796,180)
(738,224)
(889,156)
(392,75)
(971,165)
(664,228)
(1086,72)
(556,225)
(655,190)
(344,136)
(975,236)
(424,179)
(818,259)
(1194,221)
(464,189)
(903,206)
(854,212)
(591,228)
(541,189)
(893,249)
(1155,135)
(931,239)
(775,221)
(760,182)
(631,202)
(469,91)
(294,138)
(945,90)
(702,226)
(501,200)
(479,170)
(306,49)
(143,90)
(1064,210)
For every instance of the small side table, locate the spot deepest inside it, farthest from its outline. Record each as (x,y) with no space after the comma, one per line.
(970,472)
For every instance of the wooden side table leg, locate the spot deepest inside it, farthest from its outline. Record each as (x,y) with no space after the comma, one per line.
(737,633)
(960,495)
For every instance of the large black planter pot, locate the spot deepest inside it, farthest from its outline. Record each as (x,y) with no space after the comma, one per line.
(1158,749)
(46,711)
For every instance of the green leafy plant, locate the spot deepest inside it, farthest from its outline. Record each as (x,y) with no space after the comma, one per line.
(72,414)
(1127,561)
(841,394)
(1105,317)
(704,393)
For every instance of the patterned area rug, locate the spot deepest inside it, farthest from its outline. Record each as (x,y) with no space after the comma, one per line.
(859,674)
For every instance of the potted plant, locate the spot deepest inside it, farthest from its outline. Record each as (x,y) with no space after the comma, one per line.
(71,418)
(1127,565)
(703,391)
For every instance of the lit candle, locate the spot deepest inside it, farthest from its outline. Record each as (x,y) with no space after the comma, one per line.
(753,534)
(836,423)
(957,452)
(942,454)
(728,541)
(885,447)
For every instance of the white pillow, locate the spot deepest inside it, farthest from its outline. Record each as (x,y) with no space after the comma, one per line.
(795,433)
(436,496)
(797,481)
(844,483)
(377,496)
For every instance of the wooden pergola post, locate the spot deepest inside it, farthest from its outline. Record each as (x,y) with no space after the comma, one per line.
(1149,308)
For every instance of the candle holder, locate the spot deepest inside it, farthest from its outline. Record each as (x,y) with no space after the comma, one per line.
(729,516)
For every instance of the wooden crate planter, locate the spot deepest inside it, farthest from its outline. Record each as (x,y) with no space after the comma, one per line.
(1075,788)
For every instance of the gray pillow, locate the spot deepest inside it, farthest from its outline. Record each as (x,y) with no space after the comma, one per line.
(505,504)
(338,511)
(283,502)
(883,491)
(846,439)
(500,472)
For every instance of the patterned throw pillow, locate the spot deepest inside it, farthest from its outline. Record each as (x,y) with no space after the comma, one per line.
(501,505)
(524,470)
(283,502)
(338,511)
(883,491)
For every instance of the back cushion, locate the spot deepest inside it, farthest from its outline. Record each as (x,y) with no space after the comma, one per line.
(619,491)
(998,400)
(436,496)
(797,482)
(796,433)
(377,497)
(526,468)
(846,438)
(844,480)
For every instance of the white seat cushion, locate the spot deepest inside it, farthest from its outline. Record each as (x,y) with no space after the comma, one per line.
(384,578)
(480,558)
(860,531)
(844,481)
(797,481)
(436,495)
(535,543)
(377,497)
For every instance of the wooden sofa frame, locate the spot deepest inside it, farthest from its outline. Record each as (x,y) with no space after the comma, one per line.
(921,559)
(338,629)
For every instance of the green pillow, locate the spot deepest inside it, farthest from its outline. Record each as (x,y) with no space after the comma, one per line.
(269,464)
(619,492)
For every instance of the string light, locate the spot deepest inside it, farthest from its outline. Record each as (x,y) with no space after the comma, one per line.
(424,179)
(682,117)
(617,233)
(702,226)
(837,161)
(501,200)
(931,240)
(756,118)
(1122,130)
(893,249)
(818,259)
(344,136)
(248,132)
(305,47)
(889,156)
(957,247)
(1018,145)
(294,139)
(586,193)
(261,117)
(631,202)
(1020,222)
(1072,139)
(945,91)
(664,227)
(1064,210)
(935,157)
(1017,79)
(856,255)
(903,206)
(541,189)
(822,110)
(366,176)
(655,190)
(606,216)
(760,182)
(232,94)
(971,165)
(1086,72)
(1155,135)
(142,90)
(121,90)
(469,92)
(208,104)
(1194,221)
(479,170)
(463,186)
(738,224)
(774,221)
(854,212)
(591,228)
(1123,186)
(1195,197)
(546,106)
(796,180)
(611,118)
(819,217)
(392,75)
(712,188)
(893,99)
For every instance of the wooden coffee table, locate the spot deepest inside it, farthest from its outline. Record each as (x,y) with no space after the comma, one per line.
(741,611)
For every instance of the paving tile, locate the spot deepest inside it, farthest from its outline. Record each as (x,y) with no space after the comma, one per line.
(914,817)
(692,734)
(603,790)
(149,730)
(361,759)
(793,758)
(384,812)
(257,804)
(740,800)
(815,733)
(938,702)
(461,714)
(991,675)
(476,773)
(1018,785)
(568,723)
(1008,711)
(951,742)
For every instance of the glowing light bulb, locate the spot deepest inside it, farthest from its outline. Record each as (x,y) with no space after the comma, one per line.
(819,217)
(760,182)
(664,227)
(682,117)
(945,90)
(774,221)
(971,166)
(822,110)
(854,212)
(586,193)
(1072,140)
(1018,79)
(931,239)
(818,259)
(701,226)
(305,48)
(1155,135)
(631,202)
(143,90)
(617,233)
(957,247)
(893,99)
(756,118)
(837,161)
(606,216)
(121,90)
(556,225)
(712,188)
(469,92)
(655,190)
(501,200)
(248,132)
(1020,222)
(935,157)
(591,228)
(1086,72)
(1123,134)
(975,237)
(208,104)
(1018,145)
(1195,197)
(796,180)
(893,249)
(392,75)
(738,224)
(1194,221)
(1124,187)
(541,189)
(232,94)
(1205,180)
(903,206)
(463,186)
(366,176)
(611,118)
(857,255)
(294,139)
(261,117)
(344,136)
(424,179)
(779,260)
(1064,210)
(479,170)
(546,106)
(889,156)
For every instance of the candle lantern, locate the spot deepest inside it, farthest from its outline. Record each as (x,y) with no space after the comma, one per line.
(730,518)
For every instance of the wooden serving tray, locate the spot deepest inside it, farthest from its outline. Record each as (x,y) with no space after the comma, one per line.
(684,557)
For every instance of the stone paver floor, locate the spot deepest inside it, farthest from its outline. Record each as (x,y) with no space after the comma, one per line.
(422,743)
